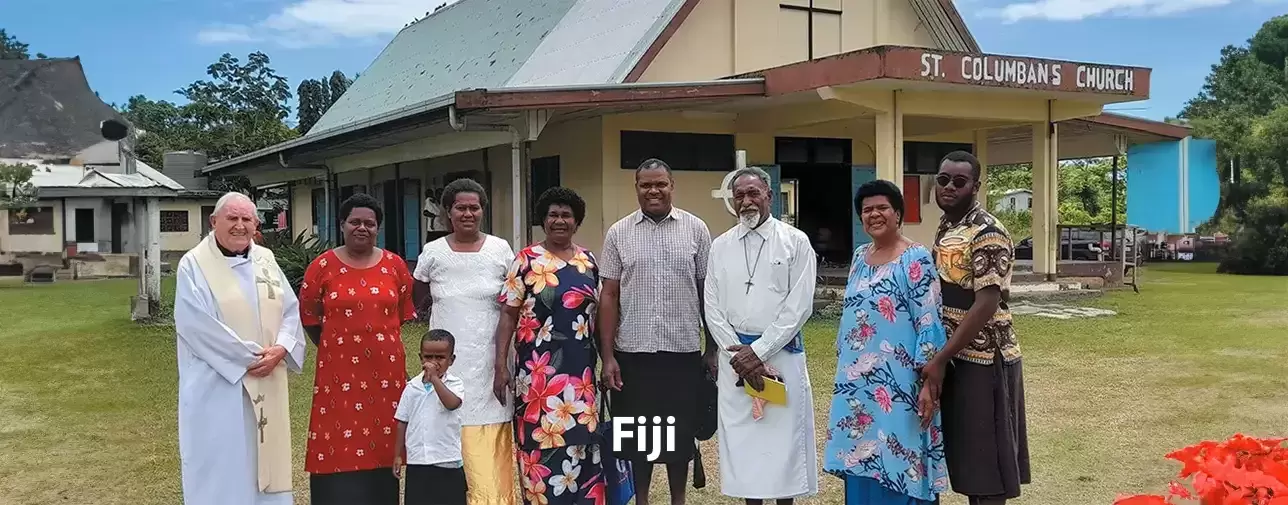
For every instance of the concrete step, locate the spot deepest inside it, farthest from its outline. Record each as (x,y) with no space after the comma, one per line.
(1061,289)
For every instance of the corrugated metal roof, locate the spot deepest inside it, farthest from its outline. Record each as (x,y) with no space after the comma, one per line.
(151,173)
(597,42)
(469,44)
(46,175)
(96,179)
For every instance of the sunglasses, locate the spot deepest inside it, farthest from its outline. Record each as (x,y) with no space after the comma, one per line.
(945,180)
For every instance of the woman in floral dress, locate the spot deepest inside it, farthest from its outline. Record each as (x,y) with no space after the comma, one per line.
(549,296)
(353,301)
(884,433)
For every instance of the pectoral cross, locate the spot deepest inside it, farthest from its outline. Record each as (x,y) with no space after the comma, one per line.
(263,421)
(271,281)
(749,284)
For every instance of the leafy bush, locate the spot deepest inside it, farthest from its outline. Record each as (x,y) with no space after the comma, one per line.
(1018,223)
(295,254)
(1260,246)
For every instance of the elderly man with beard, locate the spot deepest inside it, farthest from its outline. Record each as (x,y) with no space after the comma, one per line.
(759,294)
(239,332)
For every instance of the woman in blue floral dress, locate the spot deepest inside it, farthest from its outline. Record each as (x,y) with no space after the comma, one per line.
(549,300)
(884,434)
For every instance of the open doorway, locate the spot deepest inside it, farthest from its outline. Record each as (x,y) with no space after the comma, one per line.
(819,169)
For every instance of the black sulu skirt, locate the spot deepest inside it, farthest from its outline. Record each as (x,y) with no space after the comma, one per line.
(363,487)
(986,443)
(659,384)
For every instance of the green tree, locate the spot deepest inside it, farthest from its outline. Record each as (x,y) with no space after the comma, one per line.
(11,48)
(339,83)
(1244,106)
(1085,196)
(313,102)
(240,109)
(16,190)
(316,96)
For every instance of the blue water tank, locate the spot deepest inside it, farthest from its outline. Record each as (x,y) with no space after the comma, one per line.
(1172,186)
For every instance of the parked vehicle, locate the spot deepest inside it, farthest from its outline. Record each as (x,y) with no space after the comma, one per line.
(1076,245)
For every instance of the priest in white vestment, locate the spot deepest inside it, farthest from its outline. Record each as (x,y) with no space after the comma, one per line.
(759,294)
(239,332)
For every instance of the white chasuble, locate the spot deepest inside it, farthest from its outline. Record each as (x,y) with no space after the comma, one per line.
(759,291)
(234,429)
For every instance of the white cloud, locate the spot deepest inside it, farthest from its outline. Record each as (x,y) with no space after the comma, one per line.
(224,34)
(313,22)
(1074,10)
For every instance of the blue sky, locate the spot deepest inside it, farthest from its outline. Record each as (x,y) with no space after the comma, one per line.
(153,47)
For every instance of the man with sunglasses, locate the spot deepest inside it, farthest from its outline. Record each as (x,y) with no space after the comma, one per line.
(985,439)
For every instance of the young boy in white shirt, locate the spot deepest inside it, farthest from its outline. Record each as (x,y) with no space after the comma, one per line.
(429,427)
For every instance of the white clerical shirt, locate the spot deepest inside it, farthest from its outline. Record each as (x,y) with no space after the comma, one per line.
(779,263)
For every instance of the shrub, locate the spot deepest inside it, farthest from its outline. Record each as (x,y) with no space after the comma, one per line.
(1241,470)
(1260,246)
(294,255)
(1018,223)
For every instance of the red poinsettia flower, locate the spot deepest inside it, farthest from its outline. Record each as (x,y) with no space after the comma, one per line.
(1178,490)
(1240,471)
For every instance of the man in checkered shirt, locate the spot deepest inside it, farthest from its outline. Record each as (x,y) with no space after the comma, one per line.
(651,323)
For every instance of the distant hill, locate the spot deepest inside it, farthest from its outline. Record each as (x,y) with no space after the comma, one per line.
(47,109)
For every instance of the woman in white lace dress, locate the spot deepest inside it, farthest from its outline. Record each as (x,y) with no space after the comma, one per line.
(462,273)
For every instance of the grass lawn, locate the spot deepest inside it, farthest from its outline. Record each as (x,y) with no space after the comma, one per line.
(87,399)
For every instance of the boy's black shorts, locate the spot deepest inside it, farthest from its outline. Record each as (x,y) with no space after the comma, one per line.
(434,485)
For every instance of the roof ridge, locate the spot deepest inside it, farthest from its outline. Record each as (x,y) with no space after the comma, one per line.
(449,6)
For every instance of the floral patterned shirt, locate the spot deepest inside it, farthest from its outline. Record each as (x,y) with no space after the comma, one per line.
(890,328)
(972,254)
(554,347)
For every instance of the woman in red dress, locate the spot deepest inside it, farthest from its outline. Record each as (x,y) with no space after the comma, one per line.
(353,302)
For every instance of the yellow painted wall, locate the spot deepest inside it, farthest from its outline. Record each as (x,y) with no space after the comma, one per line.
(693,189)
(578,144)
(302,207)
(720,38)
(182,241)
(900,25)
(33,243)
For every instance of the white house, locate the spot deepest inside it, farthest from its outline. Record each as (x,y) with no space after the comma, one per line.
(1015,199)
(87,197)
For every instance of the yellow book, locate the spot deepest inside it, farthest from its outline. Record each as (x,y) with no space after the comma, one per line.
(775,391)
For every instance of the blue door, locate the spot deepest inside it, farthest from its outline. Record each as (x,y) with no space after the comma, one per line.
(382,191)
(858,176)
(412,236)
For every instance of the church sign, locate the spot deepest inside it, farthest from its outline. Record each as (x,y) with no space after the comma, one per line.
(1017,72)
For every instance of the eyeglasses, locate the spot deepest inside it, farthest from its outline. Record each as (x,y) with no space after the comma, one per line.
(944,180)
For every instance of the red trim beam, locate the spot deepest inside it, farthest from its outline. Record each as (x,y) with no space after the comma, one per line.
(981,70)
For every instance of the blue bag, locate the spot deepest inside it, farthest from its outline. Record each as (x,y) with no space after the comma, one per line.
(618,474)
